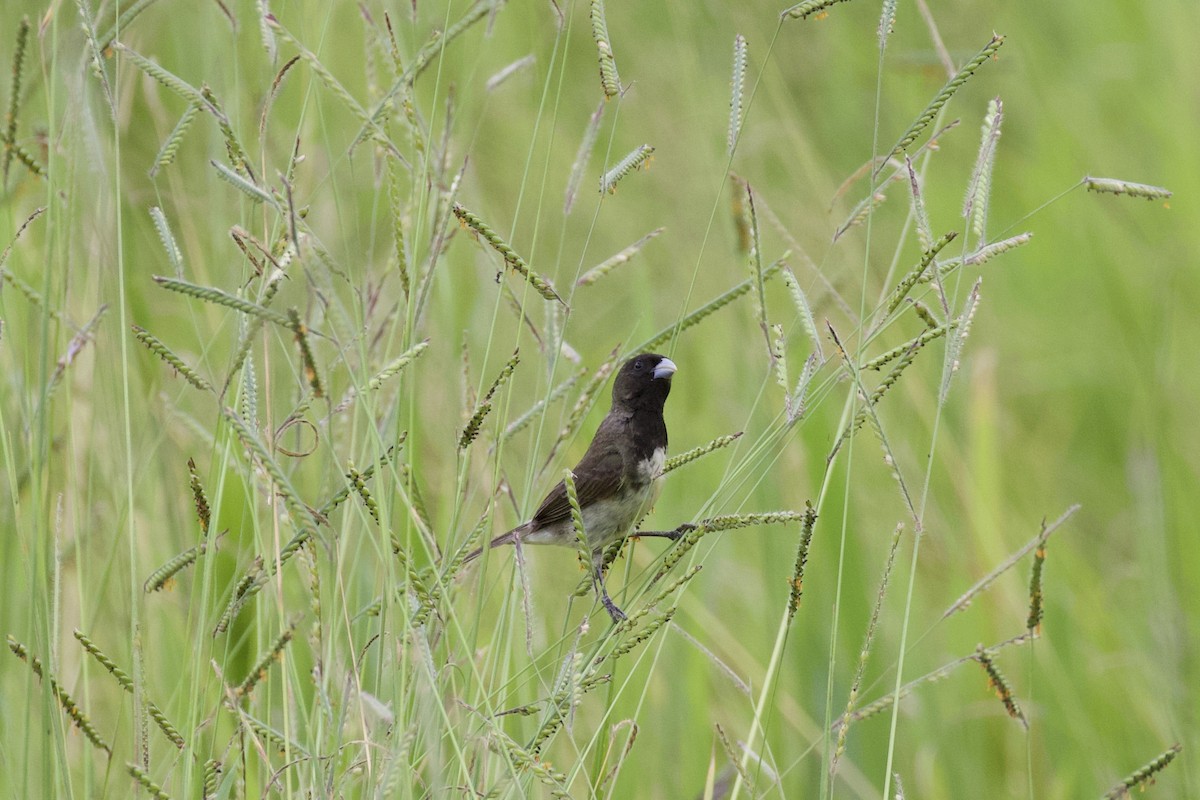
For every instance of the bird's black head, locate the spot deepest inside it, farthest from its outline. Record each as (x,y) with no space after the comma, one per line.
(644,382)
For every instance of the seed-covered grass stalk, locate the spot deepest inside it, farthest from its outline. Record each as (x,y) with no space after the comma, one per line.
(956,339)
(471,430)
(636,159)
(166,78)
(858,214)
(887,701)
(582,157)
(981,256)
(998,683)
(796,402)
(74,348)
(716,304)
(603,268)
(804,311)
(64,698)
(927,336)
(1116,186)
(1143,776)
(1036,601)
(610,81)
(979,188)
(737,83)
(887,23)
(9,140)
(507,72)
(734,758)
(275,653)
(521,422)
(510,256)
(910,280)
(126,683)
(943,97)
(155,345)
(1037,541)
(808,8)
(152,788)
(170,146)
(796,583)
(244,185)
(703,450)
(222,298)
(174,256)
(308,361)
(165,575)
(860,670)
(920,213)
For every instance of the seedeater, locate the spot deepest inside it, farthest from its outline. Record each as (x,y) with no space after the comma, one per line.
(617,478)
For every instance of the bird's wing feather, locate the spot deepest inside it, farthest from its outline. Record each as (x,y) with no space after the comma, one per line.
(600,474)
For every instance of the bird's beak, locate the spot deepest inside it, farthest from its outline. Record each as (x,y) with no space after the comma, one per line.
(665,369)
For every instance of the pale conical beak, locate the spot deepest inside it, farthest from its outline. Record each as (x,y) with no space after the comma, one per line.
(665,369)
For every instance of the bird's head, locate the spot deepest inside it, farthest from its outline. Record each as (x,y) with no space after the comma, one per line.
(644,381)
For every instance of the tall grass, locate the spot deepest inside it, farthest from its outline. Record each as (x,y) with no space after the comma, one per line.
(300,303)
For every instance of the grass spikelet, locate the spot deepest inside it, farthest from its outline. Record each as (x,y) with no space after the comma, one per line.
(74,348)
(64,699)
(360,487)
(174,256)
(808,8)
(778,352)
(796,584)
(439,41)
(170,146)
(652,627)
(27,160)
(920,214)
(859,213)
(732,755)
(716,304)
(233,148)
(201,499)
(691,535)
(165,78)
(636,159)
(863,654)
(1037,541)
(804,311)
(164,575)
(95,55)
(910,280)
(922,311)
(581,543)
(300,513)
(703,450)
(395,366)
(213,295)
(756,268)
(122,23)
(797,400)
(1036,606)
(981,256)
(249,585)
(737,82)
(727,522)
(395,197)
(154,345)
(485,404)
(126,683)
(979,188)
(522,760)
(244,185)
(259,673)
(340,497)
(474,223)
(582,157)
(1143,776)
(1118,187)
(887,23)
(14,96)
(610,81)
(152,788)
(920,341)
(997,682)
(956,340)
(249,395)
(267,735)
(557,392)
(600,270)
(307,360)
(212,778)
(508,71)
(943,97)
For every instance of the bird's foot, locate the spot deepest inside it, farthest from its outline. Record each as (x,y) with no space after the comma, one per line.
(618,616)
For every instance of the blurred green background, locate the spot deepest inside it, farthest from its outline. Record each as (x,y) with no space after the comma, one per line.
(1074,387)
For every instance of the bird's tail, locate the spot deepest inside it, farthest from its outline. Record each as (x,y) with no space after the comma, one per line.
(502,539)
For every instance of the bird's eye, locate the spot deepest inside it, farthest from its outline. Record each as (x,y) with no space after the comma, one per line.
(637,365)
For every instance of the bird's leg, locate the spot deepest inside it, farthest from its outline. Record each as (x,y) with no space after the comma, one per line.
(598,582)
(674,535)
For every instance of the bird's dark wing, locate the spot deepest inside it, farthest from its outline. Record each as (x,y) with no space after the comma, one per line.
(600,474)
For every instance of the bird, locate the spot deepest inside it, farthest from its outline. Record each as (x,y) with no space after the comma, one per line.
(617,479)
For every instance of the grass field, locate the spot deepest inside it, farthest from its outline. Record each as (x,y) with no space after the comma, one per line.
(302,300)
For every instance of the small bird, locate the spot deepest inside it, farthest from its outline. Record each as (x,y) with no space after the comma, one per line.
(616,481)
